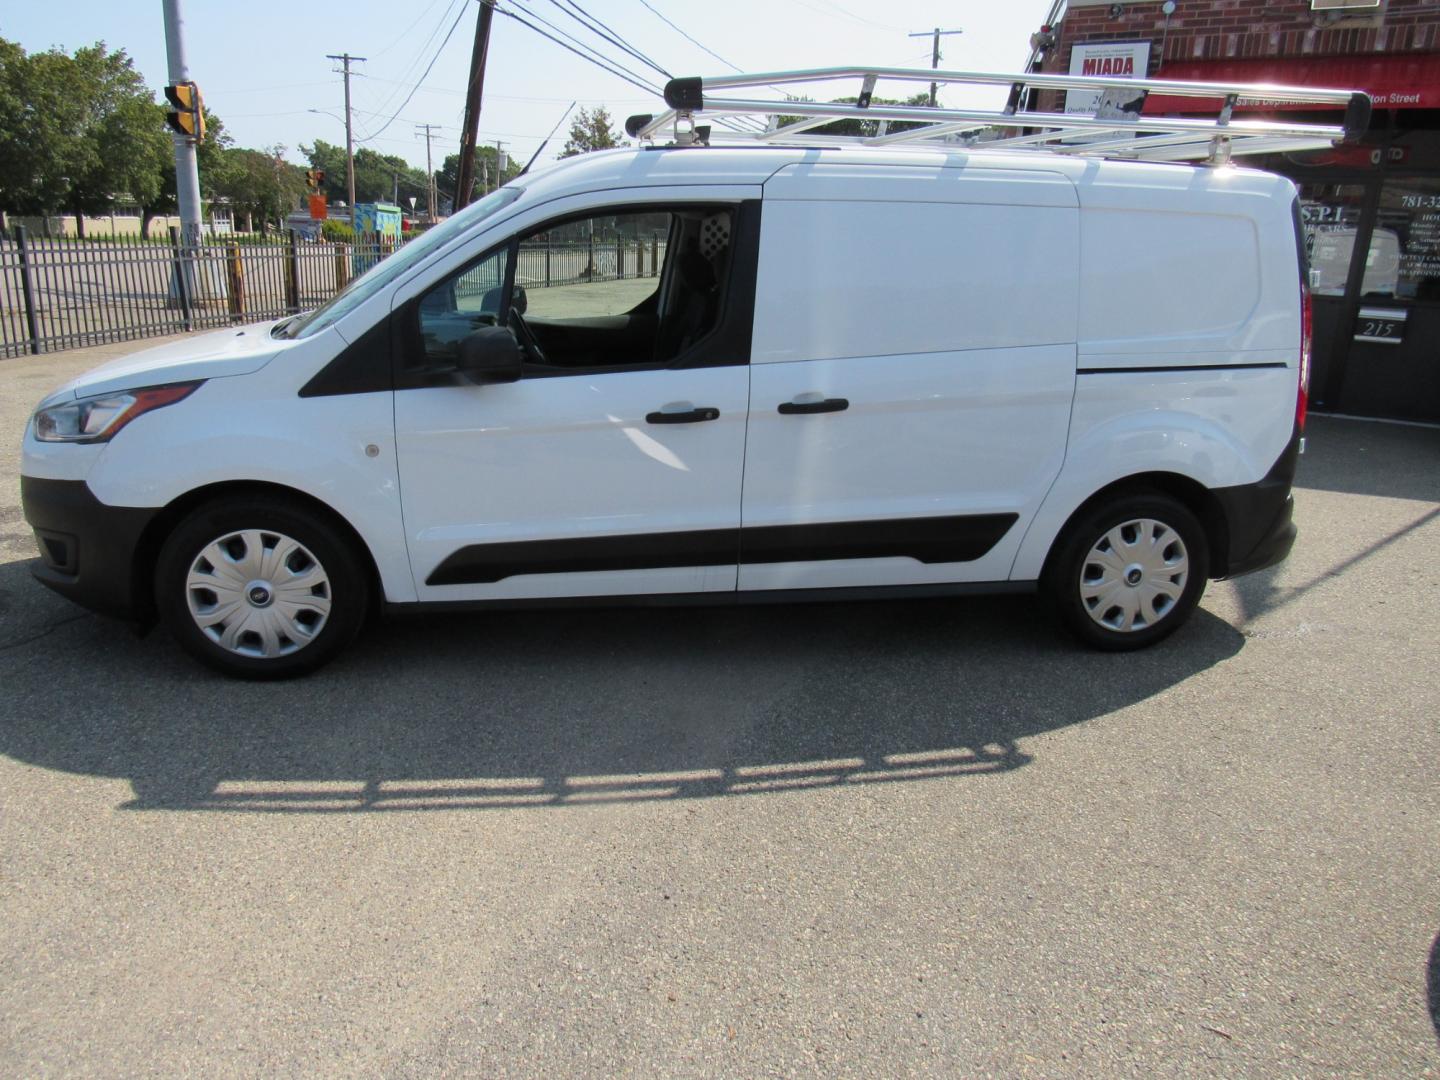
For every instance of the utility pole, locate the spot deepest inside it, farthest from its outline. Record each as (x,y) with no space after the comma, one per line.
(347,60)
(465,180)
(429,168)
(937,34)
(500,163)
(187,173)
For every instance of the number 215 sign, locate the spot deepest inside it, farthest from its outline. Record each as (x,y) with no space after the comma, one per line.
(1384,326)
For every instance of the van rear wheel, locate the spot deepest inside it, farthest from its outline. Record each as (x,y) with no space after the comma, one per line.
(1129,572)
(260,587)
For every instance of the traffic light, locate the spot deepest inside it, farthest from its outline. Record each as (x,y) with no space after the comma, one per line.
(188,115)
(314,178)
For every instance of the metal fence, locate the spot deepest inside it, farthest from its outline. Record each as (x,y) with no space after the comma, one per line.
(66,293)
(543,263)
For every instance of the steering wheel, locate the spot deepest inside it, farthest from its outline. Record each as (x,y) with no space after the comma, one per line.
(529,344)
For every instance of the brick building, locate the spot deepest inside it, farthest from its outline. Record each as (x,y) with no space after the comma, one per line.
(1371,211)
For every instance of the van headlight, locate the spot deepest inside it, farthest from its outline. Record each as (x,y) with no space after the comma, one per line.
(97,419)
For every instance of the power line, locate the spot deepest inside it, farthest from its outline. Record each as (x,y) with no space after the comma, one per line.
(836,12)
(588,59)
(688,38)
(267,89)
(474,93)
(506,97)
(420,82)
(419,53)
(347,59)
(739,122)
(935,51)
(429,168)
(583,17)
(590,49)
(402,35)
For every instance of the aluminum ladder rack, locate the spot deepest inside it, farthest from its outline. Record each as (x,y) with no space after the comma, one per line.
(1116,126)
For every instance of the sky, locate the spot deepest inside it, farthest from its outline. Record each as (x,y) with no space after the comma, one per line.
(261,65)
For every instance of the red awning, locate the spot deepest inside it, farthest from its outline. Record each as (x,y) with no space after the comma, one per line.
(1392,81)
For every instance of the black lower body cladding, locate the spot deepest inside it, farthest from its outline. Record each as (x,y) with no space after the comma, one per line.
(1260,530)
(87,549)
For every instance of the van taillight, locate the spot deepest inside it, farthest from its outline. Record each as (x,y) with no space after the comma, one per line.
(1307,325)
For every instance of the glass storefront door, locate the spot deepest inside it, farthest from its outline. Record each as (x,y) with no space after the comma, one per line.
(1393,366)
(1373,244)
(1330,213)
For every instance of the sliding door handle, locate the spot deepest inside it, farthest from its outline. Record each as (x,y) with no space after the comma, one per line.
(689,416)
(831,404)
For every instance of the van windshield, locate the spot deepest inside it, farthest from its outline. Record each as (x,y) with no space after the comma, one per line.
(387,270)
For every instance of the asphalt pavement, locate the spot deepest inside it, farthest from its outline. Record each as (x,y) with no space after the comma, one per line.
(929,838)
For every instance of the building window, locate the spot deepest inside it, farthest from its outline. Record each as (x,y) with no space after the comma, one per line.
(1404,257)
(1331,216)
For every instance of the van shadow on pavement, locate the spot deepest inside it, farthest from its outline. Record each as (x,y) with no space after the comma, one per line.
(558,708)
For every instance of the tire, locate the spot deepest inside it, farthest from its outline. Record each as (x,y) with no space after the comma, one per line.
(260,587)
(1129,572)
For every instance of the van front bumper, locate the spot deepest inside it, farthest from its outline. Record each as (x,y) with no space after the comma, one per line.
(87,549)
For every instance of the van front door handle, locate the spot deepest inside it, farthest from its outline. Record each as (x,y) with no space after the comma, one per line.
(829,404)
(689,416)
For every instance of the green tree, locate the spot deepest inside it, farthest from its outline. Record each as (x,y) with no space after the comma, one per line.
(211,161)
(485,159)
(377,176)
(75,131)
(590,130)
(124,147)
(260,184)
(41,145)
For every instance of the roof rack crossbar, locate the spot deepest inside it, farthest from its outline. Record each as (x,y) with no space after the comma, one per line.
(1267,92)
(981,117)
(1215,134)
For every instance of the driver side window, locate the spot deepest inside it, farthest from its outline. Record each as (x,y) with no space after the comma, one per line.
(626,287)
(458,306)
(623,288)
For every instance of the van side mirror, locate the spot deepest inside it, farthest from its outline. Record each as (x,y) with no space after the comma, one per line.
(490,355)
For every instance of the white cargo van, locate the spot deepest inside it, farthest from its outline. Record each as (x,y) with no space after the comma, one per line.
(799,372)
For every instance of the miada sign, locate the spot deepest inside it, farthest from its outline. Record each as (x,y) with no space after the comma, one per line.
(1116,59)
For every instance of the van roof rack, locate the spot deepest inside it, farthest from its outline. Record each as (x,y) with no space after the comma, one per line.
(1115,127)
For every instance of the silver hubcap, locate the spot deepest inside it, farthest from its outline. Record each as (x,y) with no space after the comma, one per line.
(258,593)
(1134,575)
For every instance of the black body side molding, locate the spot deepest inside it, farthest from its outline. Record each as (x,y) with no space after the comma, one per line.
(927,540)
(730,598)
(1178,367)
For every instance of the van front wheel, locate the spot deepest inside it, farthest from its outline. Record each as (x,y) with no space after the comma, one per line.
(260,588)
(1129,572)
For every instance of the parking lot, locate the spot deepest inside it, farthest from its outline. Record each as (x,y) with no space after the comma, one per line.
(876,839)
